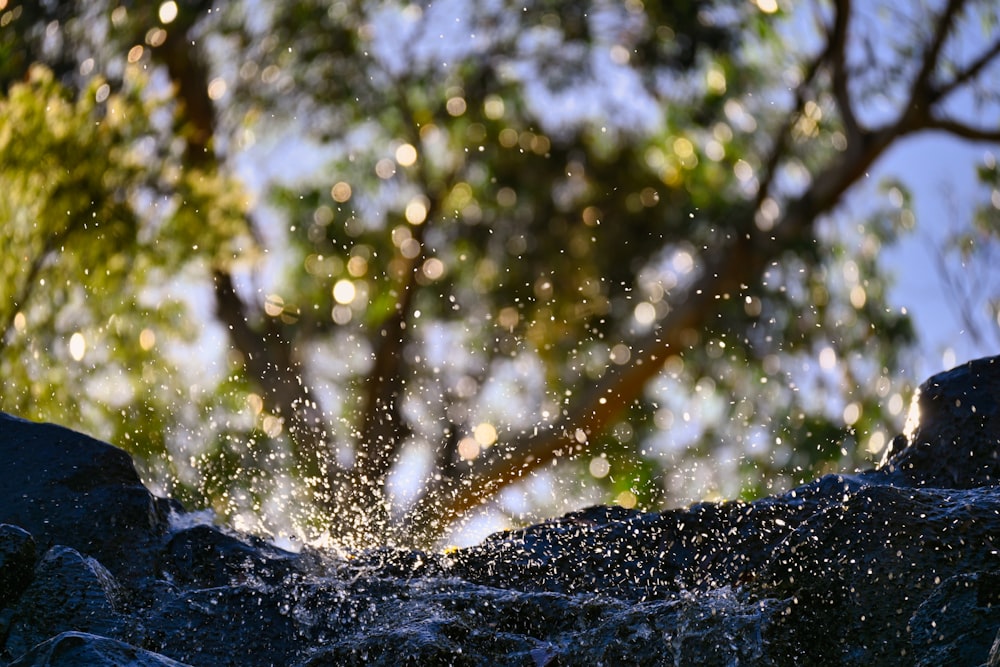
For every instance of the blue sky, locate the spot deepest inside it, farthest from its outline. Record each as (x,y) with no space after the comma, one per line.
(936,168)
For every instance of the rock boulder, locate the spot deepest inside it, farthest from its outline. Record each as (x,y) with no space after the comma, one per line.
(894,566)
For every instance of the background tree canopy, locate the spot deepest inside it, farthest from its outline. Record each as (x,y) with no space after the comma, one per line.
(355,270)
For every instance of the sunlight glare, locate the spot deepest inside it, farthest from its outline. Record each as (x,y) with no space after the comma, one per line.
(913,416)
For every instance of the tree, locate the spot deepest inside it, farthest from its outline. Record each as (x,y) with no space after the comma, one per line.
(597,239)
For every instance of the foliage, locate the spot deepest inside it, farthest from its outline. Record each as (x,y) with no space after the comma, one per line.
(594,248)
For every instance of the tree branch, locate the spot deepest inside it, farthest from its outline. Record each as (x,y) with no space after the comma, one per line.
(838,62)
(190,77)
(962,130)
(611,395)
(920,90)
(970,72)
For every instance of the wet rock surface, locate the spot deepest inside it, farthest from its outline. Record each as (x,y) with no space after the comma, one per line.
(894,566)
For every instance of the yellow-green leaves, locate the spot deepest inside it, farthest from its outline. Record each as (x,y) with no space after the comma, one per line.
(97,221)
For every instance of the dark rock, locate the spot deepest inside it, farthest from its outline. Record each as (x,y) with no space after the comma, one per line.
(940,640)
(67,488)
(239,624)
(17,560)
(870,563)
(894,566)
(79,649)
(205,556)
(69,592)
(955,440)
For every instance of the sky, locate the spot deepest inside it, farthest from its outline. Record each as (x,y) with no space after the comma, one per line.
(936,168)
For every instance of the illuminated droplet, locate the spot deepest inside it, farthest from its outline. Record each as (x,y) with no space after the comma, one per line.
(341,314)
(409,248)
(468,449)
(683,147)
(619,55)
(255,403)
(406,155)
(341,192)
(506,197)
(168,12)
(77,346)
(742,170)
(876,443)
(385,168)
(416,211)
(274,305)
(456,106)
(716,80)
(433,268)
(645,313)
(599,467)
(620,354)
(852,413)
(493,107)
(156,37)
(147,339)
(485,434)
(858,297)
(683,261)
(626,499)
(217,88)
(273,426)
(827,358)
(344,291)
(508,318)
(357,266)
